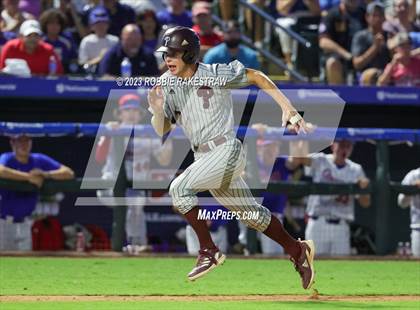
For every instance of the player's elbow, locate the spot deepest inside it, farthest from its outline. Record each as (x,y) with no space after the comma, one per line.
(2,169)
(253,75)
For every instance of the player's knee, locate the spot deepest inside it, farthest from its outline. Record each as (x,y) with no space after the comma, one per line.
(174,188)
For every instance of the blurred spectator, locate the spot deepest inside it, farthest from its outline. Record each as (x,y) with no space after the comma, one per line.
(336,32)
(255,23)
(401,22)
(32,49)
(119,14)
(203,26)
(330,215)
(75,25)
(53,23)
(404,69)
(326,5)
(145,5)
(5,36)
(94,46)
(150,28)
(412,201)
(175,14)
(32,7)
(16,207)
(369,45)
(231,49)
(143,62)
(12,16)
(227,9)
(291,10)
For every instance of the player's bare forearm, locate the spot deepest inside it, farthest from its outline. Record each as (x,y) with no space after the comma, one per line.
(364,200)
(62,173)
(161,124)
(12,174)
(259,79)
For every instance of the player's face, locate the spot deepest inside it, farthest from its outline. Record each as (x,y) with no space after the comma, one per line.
(130,116)
(342,149)
(21,146)
(174,62)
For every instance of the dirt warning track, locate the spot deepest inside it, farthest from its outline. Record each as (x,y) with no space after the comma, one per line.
(215,298)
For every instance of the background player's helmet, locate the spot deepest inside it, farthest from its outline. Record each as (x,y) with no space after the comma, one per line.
(181,39)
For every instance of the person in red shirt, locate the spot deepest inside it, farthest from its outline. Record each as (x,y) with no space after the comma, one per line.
(32,49)
(404,68)
(203,27)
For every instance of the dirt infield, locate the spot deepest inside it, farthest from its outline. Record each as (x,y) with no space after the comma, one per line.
(215,298)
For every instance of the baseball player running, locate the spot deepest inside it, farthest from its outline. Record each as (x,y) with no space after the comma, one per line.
(206,116)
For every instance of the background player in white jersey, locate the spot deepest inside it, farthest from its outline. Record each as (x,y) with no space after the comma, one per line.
(205,114)
(137,159)
(330,215)
(412,178)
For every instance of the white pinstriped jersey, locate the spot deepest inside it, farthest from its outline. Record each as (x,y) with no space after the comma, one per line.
(324,170)
(205,112)
(409,179)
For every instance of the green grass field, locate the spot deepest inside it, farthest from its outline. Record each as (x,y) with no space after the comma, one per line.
(167,276)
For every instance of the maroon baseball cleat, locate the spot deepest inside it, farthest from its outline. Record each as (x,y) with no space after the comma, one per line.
(305,263)
(207,260)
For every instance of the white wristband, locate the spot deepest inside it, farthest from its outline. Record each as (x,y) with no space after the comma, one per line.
(294,119)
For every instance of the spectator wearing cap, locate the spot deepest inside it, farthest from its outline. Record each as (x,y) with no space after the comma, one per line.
(175,14)
(94,46)
(143,62)
(32,49)
(203,26)
(404,68)
(369,45)
(401,21)
(16,207)
(119,16)
(12,16)
(150,28)
(231,49)
(336,31)
(53,23)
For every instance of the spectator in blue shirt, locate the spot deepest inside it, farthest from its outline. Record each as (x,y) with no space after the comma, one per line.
(143,62)
(175,14)
(16,207)
(53,22)
(119,14)
(232,50)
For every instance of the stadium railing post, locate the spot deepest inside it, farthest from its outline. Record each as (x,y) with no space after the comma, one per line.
(382,197)
(119,212)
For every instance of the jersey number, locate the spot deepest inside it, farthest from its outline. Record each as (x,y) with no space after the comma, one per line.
(206,93)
